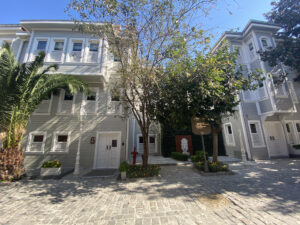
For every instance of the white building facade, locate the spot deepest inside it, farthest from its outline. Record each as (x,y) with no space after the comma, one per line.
(108,132)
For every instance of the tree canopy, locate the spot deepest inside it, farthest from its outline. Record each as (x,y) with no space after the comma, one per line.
(285,13)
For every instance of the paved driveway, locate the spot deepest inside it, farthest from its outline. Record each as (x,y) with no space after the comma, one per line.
(266,192)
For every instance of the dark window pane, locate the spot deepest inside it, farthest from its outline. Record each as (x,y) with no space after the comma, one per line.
(38,138)
(141,140)
(41,45)
(115,98)
(62,138)
(253,128)
(250,46)
(77,47)
(152,139)
(298,127)
(94,47)
(229,129)
(91,98)
(68,96)
(59,45)
(114,143)
(264,42)
(288,128)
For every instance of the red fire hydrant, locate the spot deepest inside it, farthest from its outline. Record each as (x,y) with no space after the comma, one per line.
(134,153)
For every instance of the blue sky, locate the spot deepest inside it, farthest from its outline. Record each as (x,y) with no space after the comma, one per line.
(218,21)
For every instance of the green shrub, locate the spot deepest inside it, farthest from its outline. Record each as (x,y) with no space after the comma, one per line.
(51,164)
(135,171)
(124,167)
(179,156)
(199,156)
(213,167)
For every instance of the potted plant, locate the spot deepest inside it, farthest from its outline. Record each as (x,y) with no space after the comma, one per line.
(123,169)
(51,168)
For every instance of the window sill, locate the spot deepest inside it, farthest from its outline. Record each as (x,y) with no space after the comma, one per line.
(58,153)
(33,153)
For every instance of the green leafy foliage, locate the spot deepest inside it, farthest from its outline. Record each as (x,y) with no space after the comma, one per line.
(51,164)
(23,88)
(137,171)
(213,166)
(199,156)
(285,13)
(205,86)
(143,35)
(179,156)
(124,167)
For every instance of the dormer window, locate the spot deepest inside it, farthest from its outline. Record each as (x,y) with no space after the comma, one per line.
(58,46)
(41,45)
(77,46)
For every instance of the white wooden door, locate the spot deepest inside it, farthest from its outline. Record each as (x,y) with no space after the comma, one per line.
(276,140)
(108,151)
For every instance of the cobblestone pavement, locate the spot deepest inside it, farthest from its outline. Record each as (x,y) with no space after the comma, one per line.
(265,192)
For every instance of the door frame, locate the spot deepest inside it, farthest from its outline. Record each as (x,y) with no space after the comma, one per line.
(97,144)
(137,142)
(267,138)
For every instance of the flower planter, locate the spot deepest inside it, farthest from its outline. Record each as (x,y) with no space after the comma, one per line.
(123,175)
(50,172)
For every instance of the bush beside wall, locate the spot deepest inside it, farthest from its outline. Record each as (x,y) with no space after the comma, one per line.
(11,164)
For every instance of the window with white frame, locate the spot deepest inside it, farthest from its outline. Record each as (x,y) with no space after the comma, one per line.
(76,50)
(93,52)
(114,105)
(90,101)
(44,107)
(56,52)
(256,134)
(289,131)
(251,49)
(36,141)
(229,134)
(61,141)
(40,44)
(264,43)
(66,102)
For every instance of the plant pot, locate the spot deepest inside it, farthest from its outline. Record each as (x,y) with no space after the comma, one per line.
(123,175)
(50,172)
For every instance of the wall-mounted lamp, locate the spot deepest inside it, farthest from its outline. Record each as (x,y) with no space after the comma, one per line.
(92,141)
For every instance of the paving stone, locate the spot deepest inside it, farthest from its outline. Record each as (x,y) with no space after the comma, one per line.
(263,192)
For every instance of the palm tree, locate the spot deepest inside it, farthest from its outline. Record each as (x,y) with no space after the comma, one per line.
(22,88)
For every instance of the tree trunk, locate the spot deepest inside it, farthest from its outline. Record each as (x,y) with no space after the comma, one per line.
(215,143)
(146,150)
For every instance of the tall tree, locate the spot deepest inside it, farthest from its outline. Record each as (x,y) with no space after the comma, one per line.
(23,87)
(141,34)
(205,86)
(285,13)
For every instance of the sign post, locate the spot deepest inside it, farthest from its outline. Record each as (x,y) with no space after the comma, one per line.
(199,127)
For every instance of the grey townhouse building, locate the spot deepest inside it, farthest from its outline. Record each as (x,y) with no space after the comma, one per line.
(267,121)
